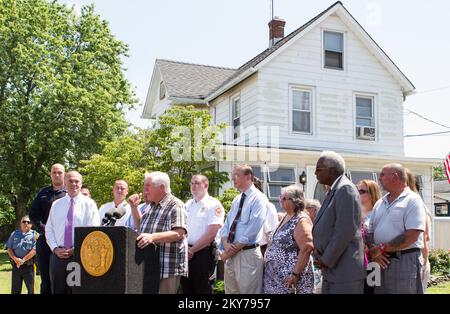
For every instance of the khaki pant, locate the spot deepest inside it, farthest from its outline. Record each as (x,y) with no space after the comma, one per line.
(244,272)
(169,285)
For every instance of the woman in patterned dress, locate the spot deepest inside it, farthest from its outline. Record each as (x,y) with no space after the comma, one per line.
(288,268)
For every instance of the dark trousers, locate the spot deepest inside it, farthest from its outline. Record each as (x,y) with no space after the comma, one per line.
(43,253)
(58,274)
(24,273)
(201,267)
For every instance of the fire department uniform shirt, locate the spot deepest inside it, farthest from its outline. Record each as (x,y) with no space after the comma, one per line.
(208,211)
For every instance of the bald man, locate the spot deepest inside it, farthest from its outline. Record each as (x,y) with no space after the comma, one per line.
(67,213)
(39,212)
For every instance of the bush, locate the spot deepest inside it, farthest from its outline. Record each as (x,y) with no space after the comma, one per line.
(440,261)
(226,199)
(219,287)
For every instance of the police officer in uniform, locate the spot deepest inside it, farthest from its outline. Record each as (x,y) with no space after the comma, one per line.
(21,247)
(39,214)
(205,218)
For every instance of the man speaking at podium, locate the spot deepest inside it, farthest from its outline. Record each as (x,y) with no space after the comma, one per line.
(73,210)
(165,224)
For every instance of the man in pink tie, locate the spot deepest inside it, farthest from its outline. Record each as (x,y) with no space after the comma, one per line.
(73,210)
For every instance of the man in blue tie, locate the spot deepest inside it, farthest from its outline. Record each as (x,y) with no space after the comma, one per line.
(73,210)
(241,235)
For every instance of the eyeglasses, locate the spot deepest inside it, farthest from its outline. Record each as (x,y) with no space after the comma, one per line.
(26,221)
(321,168)
(285,198)
(361,191)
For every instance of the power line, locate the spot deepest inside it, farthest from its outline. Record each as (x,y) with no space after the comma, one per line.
(432,90)
(429,120)
(427,134)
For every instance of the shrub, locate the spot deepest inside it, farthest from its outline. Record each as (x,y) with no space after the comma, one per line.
(227,198)
(219,287)
(440,261)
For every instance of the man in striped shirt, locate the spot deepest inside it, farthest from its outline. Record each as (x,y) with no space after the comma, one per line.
(164,224)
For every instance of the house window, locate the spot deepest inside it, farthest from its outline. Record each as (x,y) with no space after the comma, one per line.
(236,116)
(356,176)
(276,180)
(273,180)
(441,210)
(162,90)
(365,121)
(334,50)
(301,110)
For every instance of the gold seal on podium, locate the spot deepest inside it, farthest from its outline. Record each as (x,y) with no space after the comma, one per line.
(97,253)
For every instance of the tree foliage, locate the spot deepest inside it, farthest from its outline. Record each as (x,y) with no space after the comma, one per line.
(62,91)
(438,173)
(175,146)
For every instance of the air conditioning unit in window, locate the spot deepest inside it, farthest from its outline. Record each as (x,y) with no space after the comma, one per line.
(365,133)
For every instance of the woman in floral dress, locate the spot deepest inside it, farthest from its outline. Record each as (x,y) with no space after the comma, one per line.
(288,268)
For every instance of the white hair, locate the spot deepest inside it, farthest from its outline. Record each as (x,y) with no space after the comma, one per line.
(333,160)
(159,178)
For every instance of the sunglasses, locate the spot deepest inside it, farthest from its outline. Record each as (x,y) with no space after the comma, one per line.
(361,191)
(26,221)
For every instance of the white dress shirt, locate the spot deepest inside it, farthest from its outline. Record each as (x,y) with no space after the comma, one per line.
(123,220)
(85,214)
(270,224)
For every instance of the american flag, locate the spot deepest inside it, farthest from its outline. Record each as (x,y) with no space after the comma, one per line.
(447,166)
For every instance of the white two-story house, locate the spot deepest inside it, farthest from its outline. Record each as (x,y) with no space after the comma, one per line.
(325,86)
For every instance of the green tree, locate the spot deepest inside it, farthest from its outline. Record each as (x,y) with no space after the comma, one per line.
(126,158)
(171,147)
(438,173)
(185,143)
(62,92)
(227,198)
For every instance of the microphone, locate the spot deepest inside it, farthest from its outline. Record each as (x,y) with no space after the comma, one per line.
(117,214)
(108,216)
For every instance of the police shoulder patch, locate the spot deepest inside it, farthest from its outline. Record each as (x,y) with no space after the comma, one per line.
(218,211)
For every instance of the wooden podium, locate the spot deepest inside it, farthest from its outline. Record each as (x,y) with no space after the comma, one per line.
(111,262)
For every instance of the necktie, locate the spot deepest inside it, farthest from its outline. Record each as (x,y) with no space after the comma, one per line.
(235,221)
(68,231)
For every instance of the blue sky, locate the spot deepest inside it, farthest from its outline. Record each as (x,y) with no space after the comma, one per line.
(228,33)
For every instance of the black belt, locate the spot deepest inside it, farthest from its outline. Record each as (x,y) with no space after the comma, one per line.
(400,253)
(248,247)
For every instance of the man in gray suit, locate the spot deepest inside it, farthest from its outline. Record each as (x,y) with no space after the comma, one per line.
(339,250)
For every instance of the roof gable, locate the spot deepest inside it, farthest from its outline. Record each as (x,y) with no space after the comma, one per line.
(337,8)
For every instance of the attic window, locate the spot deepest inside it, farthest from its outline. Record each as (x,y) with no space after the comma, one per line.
(334,50)
(162,90)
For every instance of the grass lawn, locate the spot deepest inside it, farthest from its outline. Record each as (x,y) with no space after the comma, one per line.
(443,288)
(5,276)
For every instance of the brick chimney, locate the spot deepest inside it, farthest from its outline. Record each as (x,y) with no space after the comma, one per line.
(276,30)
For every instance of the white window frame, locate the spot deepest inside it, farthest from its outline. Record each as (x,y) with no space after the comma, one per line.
(373,97)
(312,99)
(162,88)
(344,41)
(233,99)
(280,183)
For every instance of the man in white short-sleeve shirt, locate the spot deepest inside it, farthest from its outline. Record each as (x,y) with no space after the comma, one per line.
(395,232)
(120,191)
(205,218)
